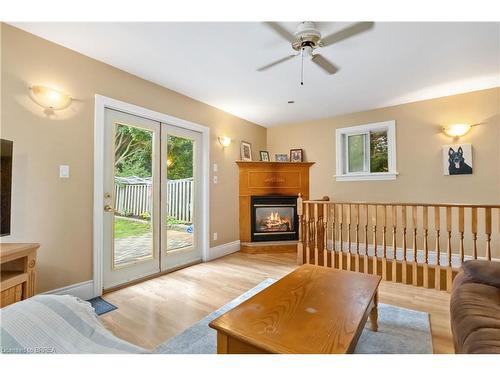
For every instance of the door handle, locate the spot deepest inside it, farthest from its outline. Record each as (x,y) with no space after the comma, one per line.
(108,208)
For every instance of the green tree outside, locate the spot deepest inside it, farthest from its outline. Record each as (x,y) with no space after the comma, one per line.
(134,149)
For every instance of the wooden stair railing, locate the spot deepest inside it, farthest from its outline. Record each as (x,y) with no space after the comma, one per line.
(420,244)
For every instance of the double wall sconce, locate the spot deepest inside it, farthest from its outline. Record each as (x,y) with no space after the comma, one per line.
(457,130)
(49,98)
(224,141)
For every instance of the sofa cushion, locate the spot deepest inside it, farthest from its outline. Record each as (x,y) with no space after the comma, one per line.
(482,341)
(483,272)
(475,317)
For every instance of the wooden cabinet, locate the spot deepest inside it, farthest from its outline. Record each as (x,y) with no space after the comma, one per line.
(17,271)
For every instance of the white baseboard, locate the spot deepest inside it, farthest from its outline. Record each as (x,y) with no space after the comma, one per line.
(224,249)
(83,290)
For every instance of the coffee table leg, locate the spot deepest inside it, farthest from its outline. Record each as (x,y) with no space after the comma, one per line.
(374,313)
(222,343)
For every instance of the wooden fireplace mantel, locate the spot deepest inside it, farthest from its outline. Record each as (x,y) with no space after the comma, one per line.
(268,178)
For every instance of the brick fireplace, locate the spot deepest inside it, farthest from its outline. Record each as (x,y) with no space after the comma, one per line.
(267,201)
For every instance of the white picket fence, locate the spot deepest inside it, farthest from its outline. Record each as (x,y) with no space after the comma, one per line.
(180,199)
(133,197)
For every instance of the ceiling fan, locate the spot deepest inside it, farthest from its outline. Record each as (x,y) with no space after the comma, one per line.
(308,38)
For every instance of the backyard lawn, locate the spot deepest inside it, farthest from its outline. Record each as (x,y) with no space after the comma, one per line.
(128,228)
(125,227)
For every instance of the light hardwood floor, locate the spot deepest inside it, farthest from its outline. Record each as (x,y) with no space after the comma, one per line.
(153,311)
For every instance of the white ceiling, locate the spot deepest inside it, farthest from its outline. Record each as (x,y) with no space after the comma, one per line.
(215,62)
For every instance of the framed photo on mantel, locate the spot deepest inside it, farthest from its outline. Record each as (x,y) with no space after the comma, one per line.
(264,156)
(296,155)
(281,157)
(246,151)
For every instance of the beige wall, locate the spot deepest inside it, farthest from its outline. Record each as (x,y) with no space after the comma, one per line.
(58,212)
(419,158)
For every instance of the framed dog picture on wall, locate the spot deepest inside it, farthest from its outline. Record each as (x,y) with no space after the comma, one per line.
(457,159)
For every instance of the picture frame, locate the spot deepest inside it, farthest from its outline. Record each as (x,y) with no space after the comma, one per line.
(457,159)
(281,158)
(264,156)
(296,155)
(246,151)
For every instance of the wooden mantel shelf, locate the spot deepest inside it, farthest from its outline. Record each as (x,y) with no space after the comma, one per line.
(268,178)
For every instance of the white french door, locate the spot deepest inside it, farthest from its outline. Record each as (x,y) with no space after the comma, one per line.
(151,197)
(181,194)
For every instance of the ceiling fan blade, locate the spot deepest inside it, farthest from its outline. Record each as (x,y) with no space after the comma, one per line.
(281,31)
(346,33)
(265,67)
(324,64)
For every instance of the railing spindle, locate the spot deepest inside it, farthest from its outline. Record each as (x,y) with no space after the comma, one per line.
(348,261)
(341,239)
(325,235)
(394,243)
(300,245)
(356,257)
(449,271)
(365,259)
(425,215)
(334,239)
(374,259)
(384,242)
(474,232)
(437,270)
(414,266)
(487,226)
(461,220)
(316,237)
(308,235)
(404,269)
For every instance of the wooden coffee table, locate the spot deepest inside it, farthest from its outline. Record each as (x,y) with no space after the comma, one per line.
(313,310)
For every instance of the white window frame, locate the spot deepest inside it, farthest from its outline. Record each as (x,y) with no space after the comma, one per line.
(341,135)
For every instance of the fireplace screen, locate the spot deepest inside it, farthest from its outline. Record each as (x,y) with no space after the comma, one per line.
(274,218)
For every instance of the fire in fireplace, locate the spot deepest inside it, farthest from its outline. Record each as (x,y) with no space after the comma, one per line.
(274,218)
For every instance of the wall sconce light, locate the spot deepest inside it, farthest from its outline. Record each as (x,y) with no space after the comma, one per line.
(49,98)
(224,141)
(457,130)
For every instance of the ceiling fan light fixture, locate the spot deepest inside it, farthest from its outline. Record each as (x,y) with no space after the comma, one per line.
(308,39)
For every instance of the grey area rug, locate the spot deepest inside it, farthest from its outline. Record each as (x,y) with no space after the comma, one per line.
(400,331)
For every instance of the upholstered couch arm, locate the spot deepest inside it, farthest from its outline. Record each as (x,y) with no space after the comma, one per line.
(482,272)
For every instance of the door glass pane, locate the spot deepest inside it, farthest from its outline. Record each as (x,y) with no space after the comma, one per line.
(180,192)
(356,153)
(378,152)
(133,229)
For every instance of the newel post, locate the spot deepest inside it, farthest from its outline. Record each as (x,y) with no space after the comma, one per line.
(300,244)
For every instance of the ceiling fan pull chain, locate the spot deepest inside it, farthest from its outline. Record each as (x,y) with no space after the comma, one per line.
(302,67)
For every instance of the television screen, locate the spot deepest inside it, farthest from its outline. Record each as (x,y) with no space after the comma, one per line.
(5,185)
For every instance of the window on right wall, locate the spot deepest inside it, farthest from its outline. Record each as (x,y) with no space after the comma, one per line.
(366,152)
